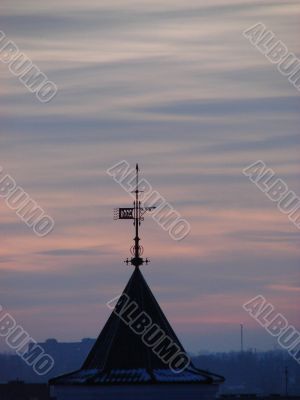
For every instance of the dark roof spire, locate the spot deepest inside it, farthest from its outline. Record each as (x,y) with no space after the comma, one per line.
(137,344)
(136,214)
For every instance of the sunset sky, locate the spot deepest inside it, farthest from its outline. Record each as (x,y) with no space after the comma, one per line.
(175,86)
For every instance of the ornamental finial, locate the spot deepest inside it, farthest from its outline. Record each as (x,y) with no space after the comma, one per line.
(136,214)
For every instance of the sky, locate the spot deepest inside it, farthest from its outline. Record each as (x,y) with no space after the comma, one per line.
(176,87)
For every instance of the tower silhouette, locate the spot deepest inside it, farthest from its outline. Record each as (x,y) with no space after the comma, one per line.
(137,355)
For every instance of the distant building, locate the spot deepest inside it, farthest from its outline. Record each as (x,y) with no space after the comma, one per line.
(66,355)
(18,390)
(54,347)
(137,356)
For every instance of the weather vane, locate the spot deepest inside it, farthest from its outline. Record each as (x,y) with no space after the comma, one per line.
(136,214)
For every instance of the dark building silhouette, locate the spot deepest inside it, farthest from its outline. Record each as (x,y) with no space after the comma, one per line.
(137,355)
(66,355)
(120,359)
(259,373)
(18,390)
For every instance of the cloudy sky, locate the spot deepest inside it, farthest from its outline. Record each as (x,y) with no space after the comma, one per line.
(175,86)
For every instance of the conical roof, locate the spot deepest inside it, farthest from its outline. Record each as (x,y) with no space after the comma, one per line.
(122,354)
(118,346)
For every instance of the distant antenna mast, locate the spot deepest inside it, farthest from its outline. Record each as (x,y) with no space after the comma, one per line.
(242,338)
(286,372)
(136,213)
